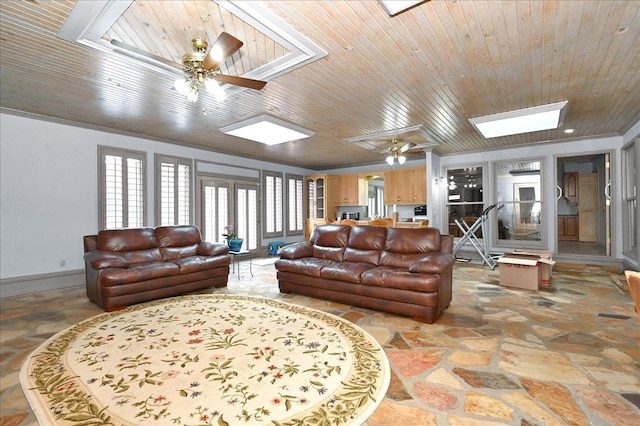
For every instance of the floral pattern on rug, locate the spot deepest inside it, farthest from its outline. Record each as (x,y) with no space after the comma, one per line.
(208,360)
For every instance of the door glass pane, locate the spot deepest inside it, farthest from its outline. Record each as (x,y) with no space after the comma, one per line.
(215,211)
(247,215)
(519,197)
(464,198)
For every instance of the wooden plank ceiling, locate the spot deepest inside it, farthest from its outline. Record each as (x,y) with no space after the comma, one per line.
(436,65)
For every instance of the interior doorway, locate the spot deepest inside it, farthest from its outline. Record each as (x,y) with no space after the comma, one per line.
(584,205)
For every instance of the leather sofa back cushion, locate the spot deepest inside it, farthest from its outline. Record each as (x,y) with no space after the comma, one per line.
(178,236)
(331,236)
(365,244)
(120,240)
(172,253)
(413,240)
(329,241)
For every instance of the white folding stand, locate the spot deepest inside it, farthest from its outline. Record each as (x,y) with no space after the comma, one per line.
(469,234)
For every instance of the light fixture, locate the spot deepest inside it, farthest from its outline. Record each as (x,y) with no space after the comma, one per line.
(393,7)
(543,117)
(267,130)
(569,131)
(189,87)
(395,153)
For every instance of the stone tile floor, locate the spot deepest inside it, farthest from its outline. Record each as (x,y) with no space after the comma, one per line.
(565,355)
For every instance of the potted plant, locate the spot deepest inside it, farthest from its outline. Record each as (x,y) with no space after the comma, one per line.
(234,243)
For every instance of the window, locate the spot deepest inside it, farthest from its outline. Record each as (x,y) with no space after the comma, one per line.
(122,182)
(375,202)
(246,206)
(465,197)
(273,204)
(519,197)
(215,210)
(629,200)
(173,177)
(295,222)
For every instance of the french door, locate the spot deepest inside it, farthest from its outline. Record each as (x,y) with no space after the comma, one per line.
(228,202)
(583,204)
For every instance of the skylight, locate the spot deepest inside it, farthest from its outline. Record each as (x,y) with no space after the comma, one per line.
(267,130)
(525,120)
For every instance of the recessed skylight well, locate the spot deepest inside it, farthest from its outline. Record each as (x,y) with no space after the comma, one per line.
(525,120)
(267,130)
(393,7)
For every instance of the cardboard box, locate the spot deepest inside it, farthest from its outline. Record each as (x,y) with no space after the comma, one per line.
(546,269)
(523,270)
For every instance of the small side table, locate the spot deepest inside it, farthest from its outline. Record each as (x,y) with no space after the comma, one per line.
(235,260)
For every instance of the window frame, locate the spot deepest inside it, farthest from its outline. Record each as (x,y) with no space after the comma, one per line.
(125,154)
(177,162)
(277,215)
(630,184)
(298,203)
(494,220)
(451,226)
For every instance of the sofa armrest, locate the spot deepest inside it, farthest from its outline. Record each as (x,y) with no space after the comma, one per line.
(206,248)
(296,250)
(100,259)
(433,263)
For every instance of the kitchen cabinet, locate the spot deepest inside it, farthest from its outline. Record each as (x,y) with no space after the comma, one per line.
(570,187)
(350,190)
(568,228)
(319,202)
(405,186)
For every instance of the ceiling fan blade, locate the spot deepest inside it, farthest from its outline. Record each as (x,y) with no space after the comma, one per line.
(241,81)
(225,46)
(407,147)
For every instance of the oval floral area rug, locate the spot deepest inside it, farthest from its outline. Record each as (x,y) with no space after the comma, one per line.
(208,360)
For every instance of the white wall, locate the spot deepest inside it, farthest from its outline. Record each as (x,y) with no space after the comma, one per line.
(49,189)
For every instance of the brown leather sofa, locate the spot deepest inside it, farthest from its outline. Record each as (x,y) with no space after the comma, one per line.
(128,266)
(407,271)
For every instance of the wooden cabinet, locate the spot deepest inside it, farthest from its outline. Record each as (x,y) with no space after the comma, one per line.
(319,201)
(405,186)
(588,207)
(350,190)
(568,228)
(570,187)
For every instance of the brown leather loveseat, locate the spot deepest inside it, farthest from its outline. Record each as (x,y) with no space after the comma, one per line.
(407,271)
(128,266)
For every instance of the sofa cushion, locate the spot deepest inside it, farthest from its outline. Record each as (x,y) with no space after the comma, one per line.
(412,240)
(199,263)
(127,239)
(330,235)
(433,263)
(345,271)
(142,256)
(177,236)
(404,246)
(171,253)
(139,272)
(365,244)
(310,266)
(400,278)
(329,241)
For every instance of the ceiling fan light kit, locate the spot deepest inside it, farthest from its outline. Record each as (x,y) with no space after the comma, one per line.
(203,69)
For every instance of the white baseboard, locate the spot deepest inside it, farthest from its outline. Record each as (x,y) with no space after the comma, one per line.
(18,286)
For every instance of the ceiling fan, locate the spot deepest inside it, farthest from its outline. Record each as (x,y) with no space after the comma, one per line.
(202,68)
(396,152)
